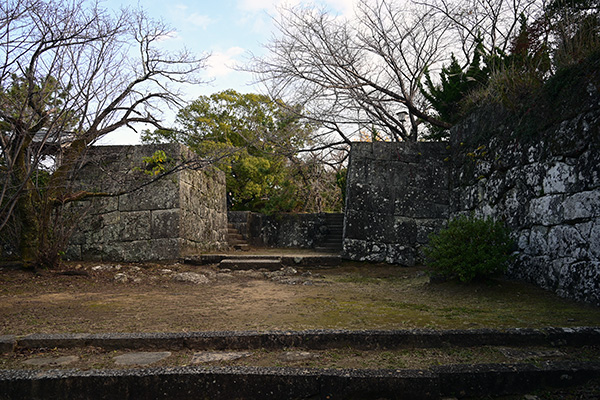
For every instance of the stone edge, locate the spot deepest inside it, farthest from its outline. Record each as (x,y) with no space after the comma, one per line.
(312,339)
(8,343)
(260,382)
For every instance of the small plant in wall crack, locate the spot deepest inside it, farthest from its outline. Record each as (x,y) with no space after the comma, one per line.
(155,164)
(469,248)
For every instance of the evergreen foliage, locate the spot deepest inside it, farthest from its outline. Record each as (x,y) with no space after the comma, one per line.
(456,82)
(254,140)
(469,248)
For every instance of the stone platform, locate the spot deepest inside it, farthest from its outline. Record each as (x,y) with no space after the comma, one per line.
(269,260)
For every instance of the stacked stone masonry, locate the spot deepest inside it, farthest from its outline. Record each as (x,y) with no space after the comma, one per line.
(547,190)
(281,230)
(538,172)
(145,218)
(397,194)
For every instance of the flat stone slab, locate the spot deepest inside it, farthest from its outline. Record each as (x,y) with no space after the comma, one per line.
(251,263)
(293,356)
(141,358)
(305,260)
(191,277)
(51,361)
(212,356)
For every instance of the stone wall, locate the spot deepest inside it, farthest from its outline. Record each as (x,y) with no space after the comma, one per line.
(397,193)
(544,182)
(180,214)
(536,167)
(280,230)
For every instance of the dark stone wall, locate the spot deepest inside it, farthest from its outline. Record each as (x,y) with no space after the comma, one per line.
(536,167)
(397,193)
(181,214)
(280,230)
(540,173)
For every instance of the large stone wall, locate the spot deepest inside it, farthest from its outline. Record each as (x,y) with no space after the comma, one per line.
(180,214)
(397,193)
(536,168)
(280,230)
(544,183)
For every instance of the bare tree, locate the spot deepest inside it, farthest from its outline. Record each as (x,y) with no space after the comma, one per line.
(494,23)
(364,73)
(71,72)
(357,74)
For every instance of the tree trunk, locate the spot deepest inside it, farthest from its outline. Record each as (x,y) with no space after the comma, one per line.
(26,212)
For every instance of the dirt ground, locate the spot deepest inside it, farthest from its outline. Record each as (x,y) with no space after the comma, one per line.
(100,297)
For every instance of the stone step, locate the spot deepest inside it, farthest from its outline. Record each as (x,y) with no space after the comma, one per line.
(251,263)
(309,261)
(241,246)
(335,226)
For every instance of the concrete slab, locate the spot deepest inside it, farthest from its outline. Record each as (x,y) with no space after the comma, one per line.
(212,356)
(142,358)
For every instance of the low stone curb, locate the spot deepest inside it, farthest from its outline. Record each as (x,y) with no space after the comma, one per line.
(7,343)
(313,339)
(289,383)
(316,261)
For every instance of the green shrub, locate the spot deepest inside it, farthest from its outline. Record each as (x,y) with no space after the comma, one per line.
(469,248)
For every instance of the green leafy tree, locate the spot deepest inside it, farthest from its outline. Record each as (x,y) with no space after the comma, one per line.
(253,139)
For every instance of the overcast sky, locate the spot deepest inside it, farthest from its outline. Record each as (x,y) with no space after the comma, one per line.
(229,29)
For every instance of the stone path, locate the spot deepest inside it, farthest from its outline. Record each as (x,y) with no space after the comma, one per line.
(212,356)
(534,361)
(141,358)
(51,361)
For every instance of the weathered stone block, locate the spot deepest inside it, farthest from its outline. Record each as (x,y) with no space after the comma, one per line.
(566,241)
(582,205)
(136,225)
(559,178)
(426,227)
(164,194)
(547,210)
(538,241)
(594,239)
(403,255)
(165,223)
(405,232)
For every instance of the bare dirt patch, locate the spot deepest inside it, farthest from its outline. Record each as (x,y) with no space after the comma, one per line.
(96,298)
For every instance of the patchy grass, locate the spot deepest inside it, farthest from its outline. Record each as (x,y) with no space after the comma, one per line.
(97,358)
(353,296)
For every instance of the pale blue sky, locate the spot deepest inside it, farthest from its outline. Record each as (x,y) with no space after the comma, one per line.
(229,29)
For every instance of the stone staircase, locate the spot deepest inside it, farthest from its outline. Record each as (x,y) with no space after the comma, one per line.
(235,238)
(335,231)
